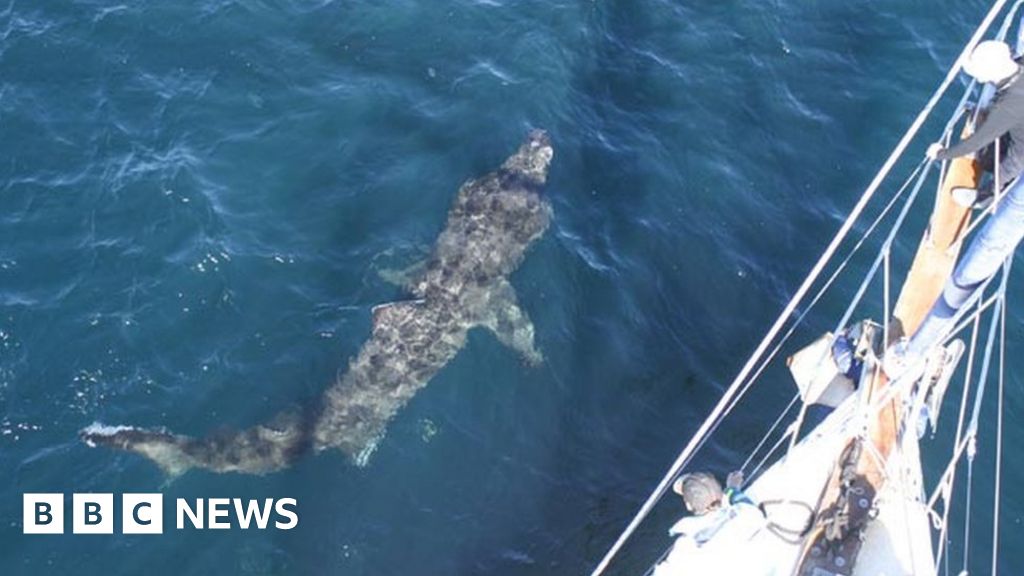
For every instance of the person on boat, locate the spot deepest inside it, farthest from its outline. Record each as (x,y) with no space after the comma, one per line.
(998,237)
(992,62)
(709,505)
(700,491)
(714,511)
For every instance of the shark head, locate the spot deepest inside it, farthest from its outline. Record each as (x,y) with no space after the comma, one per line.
(530,163)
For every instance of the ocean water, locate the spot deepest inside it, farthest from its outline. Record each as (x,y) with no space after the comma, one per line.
(200,202)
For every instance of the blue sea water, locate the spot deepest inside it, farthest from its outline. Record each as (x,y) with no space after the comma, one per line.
(199,200)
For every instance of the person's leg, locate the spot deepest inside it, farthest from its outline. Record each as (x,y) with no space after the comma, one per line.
(1011,164)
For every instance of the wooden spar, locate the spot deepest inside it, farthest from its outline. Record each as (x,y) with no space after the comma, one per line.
(939,248)
(933,264)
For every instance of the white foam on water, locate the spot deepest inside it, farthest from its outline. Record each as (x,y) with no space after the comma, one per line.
(98,429)
(363,458)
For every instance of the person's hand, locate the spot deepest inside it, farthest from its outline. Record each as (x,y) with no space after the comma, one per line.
(933,151)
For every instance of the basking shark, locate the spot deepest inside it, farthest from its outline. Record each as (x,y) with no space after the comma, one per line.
(464,284)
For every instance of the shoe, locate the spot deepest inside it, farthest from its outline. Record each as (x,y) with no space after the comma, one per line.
(964,196)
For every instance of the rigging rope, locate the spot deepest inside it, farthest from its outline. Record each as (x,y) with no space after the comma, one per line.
(972,427)
(719,411)
(951,469)
(771,431)
(821,292)
(862,289)
(921,176)
(999,434)
(775,447)
(835,274)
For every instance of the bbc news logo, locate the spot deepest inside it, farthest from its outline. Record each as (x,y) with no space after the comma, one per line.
(144,513)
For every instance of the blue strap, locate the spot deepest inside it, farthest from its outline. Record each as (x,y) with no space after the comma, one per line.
(737,496)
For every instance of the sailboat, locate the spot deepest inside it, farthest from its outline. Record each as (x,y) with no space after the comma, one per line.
(846,496)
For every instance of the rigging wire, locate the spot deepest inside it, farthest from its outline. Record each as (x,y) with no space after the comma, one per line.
(868,278)
(828,284)
(925,164)
(972,428)
(959,445)
(771,431)
(728,396)
(778,444)
(999,433)
(967,517)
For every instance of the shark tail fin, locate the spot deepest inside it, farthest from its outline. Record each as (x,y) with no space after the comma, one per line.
(163,448)
(256,450)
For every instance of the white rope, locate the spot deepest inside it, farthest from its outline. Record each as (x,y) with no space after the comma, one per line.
(967,442)
(719,410)
(948,473)
(959,443)
(922,170)
(943,548)
(924,164)
(987,358)
(997,168)
(887,245)
(972,428)
(778,444)
(862,289)
(906,381)
(886,273)
(999,436)
(967,512)
(909,378)
(880,462)
(768,435)
(965,320)
(906,492)
(835,274)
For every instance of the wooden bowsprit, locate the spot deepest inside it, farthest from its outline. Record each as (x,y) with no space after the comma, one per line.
(845,506)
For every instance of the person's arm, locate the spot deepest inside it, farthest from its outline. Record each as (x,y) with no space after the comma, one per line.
(1001,118)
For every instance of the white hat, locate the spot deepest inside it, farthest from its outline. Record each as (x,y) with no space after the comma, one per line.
(991,61)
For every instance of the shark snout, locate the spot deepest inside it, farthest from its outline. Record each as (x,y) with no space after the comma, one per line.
(533,158)
(541,150)
(538,138)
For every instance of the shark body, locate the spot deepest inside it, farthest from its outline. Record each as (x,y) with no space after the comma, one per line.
(492,223)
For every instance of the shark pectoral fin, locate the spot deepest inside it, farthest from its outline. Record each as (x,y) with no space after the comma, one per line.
(510,323)
(406,278)
(403,265)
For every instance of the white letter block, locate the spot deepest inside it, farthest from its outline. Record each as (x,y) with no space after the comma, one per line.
(142,513)
(92,514)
